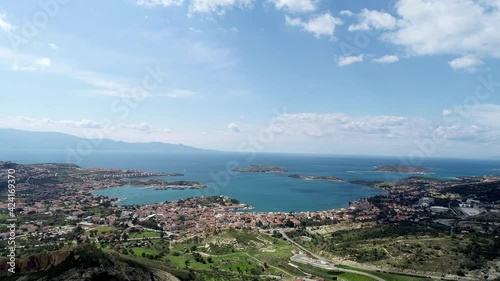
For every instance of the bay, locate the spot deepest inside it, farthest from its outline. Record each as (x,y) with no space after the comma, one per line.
(266,192)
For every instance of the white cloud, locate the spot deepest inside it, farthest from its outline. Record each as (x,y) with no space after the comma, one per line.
(336,124)
(144,127)
(44,62)
(370,19)
(53,46)
(163,3)
(464,133)
(447,112)
(4,25)
(194,30)
(234,29)
(319,25)
(472,123)
(44,122)
(429,27)
(233,127)
(85,123)
(347,60)
(467,62)
(346,13)
(217,6)
(179,94)
(80,126)
(37,65)
(487,114)
(387,59)
(295,6)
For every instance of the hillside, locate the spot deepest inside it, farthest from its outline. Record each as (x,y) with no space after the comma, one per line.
(82,263)
(18,139)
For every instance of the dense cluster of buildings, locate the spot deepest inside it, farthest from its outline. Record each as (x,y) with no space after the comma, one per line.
(45,204)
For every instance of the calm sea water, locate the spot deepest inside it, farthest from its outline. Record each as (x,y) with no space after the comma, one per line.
(266,192)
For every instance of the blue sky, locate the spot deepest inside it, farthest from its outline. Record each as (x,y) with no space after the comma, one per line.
(404,77)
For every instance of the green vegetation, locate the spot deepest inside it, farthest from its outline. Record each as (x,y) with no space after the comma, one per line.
(485,192)
(413,247)
(144,234)
(332,274)
(387,276)
(100,230)
(386,184)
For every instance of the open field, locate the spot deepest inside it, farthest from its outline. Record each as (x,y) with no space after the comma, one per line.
(101,230)
(144,234)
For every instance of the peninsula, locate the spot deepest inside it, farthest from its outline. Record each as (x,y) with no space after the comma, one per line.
(261,168)
(315,178)
(159,184)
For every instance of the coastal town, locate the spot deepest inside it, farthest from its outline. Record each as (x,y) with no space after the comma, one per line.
(63,192)
(55,205)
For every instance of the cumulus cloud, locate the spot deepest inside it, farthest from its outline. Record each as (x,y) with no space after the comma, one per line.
(478,122)
(4,25)
(346,13)
(328,124)
(233,127)
(447,112)
(163,3)
(371,19)
(348,60)
(295,6)
(319,25)
(85,123)
(464,133)
(217,6)
(144,127)
(467,62)
(386,59)
(429,27)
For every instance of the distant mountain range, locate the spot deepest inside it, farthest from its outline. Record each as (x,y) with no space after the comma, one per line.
(17,139)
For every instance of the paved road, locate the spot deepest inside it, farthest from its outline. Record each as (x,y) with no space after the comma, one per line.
(322,259)
(322,262)
(325,265)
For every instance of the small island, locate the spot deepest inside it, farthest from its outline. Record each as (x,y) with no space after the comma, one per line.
(260,168)
(315,178)
(158,184)
(399,168)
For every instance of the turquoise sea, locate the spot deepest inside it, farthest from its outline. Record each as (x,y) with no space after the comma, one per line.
(266,192)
